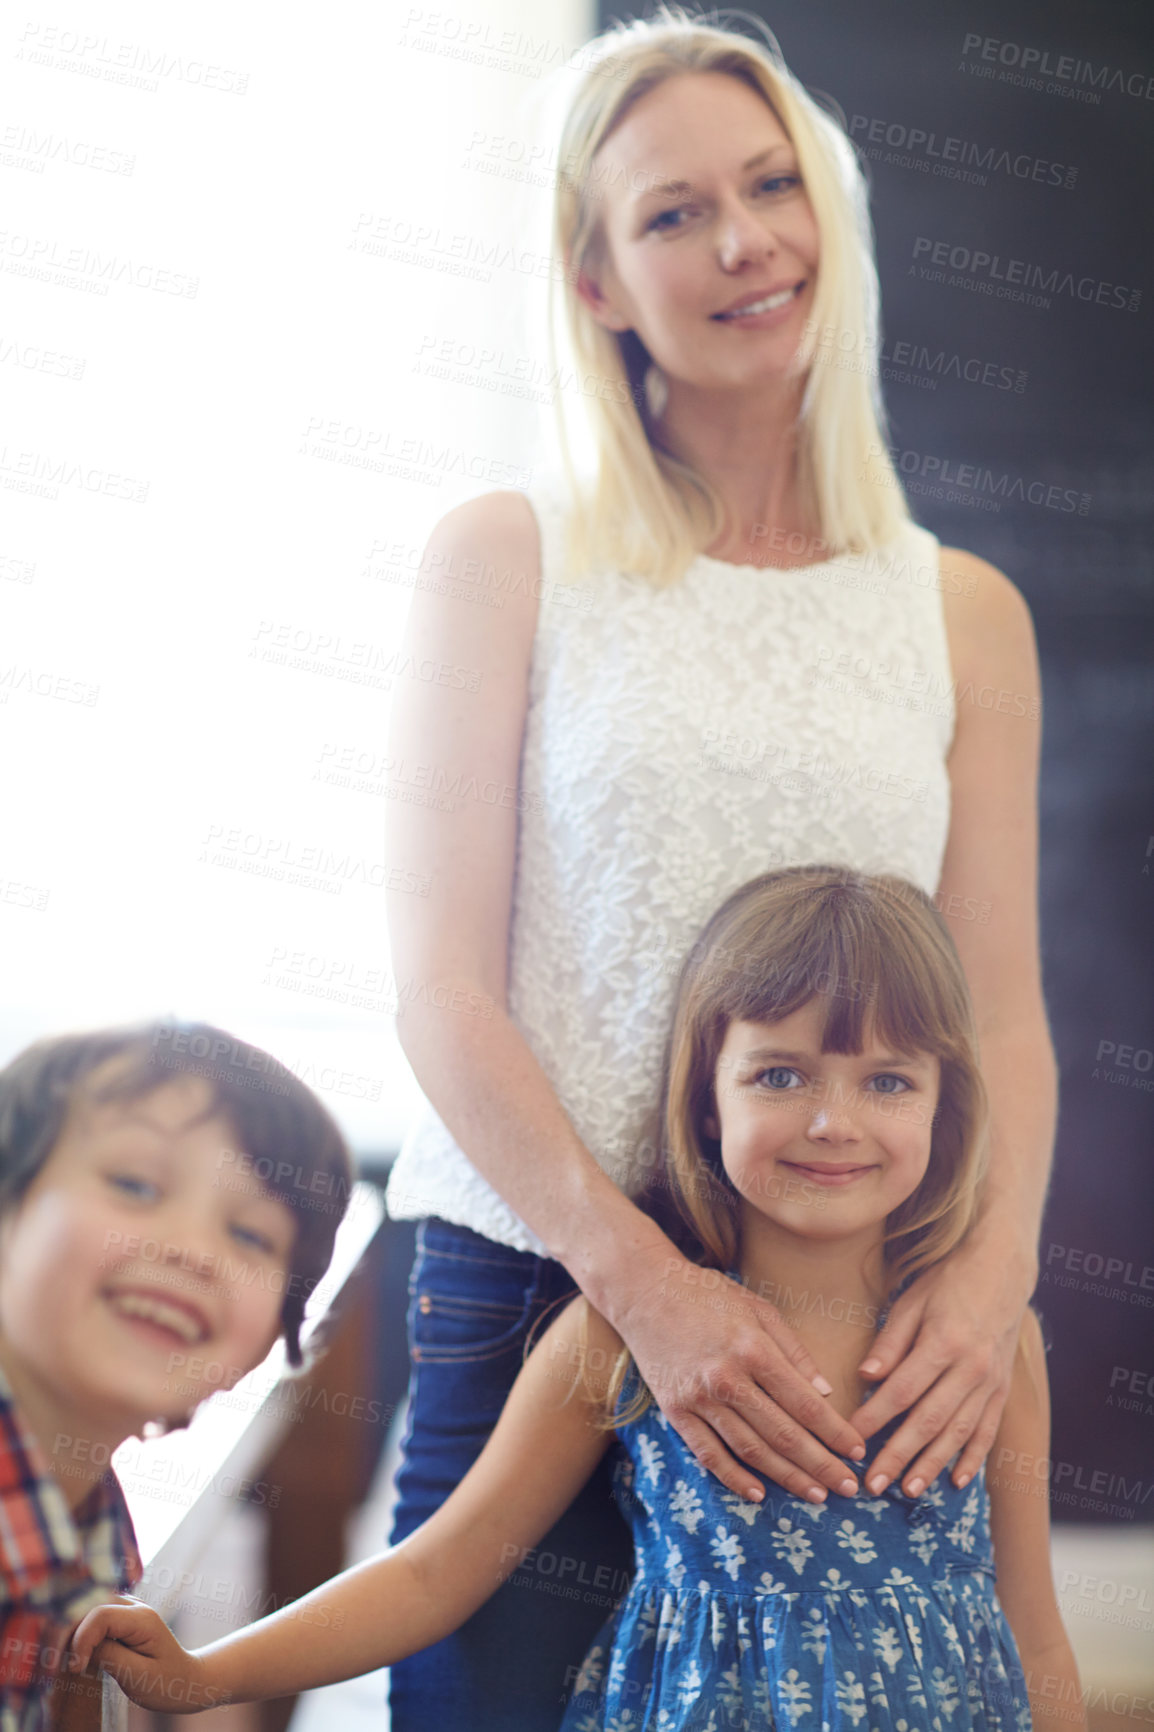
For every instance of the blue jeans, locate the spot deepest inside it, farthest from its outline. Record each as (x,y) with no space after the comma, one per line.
(511,1667)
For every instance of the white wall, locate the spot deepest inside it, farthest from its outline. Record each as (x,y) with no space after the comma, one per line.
(232,239)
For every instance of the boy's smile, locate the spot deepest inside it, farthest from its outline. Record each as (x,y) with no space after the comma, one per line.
(135,1278)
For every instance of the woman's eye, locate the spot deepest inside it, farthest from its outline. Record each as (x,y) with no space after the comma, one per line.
(780,183)
(659,222)
(890,1085)
(132,1185)
(779,1077)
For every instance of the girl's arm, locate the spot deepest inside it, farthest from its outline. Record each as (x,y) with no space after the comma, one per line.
(738,1384)
(947,1351)
(1020,1524)
(542,1450)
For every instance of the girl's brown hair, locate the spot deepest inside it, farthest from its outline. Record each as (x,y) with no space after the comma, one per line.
(876,952)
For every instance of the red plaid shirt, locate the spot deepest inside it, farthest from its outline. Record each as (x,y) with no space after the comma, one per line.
(55,1565)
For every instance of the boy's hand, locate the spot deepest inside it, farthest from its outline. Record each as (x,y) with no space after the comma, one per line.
(134,1645)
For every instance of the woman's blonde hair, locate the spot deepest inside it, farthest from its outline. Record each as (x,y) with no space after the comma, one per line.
(876,953)
(645,510)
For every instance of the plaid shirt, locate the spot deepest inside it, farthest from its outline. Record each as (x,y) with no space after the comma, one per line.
(55,1565)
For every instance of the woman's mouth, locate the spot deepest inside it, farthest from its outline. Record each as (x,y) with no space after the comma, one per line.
(769,304)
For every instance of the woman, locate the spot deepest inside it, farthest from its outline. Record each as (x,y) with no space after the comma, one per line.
(733,651)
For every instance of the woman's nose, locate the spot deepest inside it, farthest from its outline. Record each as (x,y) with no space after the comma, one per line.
(743,236)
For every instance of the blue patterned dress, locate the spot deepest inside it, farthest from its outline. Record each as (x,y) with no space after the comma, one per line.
(862,1614)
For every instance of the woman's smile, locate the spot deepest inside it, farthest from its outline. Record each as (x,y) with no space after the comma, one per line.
(761,308)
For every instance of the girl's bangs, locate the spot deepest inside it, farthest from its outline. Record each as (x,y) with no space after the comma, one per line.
(866,975)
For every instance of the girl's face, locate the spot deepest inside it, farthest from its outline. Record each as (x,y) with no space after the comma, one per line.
(824,1144)
(704,212)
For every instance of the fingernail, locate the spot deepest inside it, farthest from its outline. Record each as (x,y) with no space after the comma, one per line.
(755,1493)
(816,1494)
(963,1482)
(847,1487)
(857,1453)
(915,1486)
(869,1366)
(878,1483)
(822,1387)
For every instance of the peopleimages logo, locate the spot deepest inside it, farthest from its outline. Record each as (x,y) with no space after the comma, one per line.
(954,158)
(1030,66)
(944,477)
(1016,275)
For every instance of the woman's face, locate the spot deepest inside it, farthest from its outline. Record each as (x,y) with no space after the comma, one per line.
(703,212)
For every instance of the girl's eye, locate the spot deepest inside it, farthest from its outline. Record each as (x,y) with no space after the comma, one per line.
(890,1085)
(133,1185)
(780,183)
(779,1077)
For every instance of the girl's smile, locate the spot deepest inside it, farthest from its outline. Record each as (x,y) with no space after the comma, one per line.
(827,1174)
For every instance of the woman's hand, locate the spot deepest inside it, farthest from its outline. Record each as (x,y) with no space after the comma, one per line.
(134,1645)
(735,1382)
(946,1354)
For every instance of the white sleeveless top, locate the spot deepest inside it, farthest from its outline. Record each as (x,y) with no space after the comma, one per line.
(679,742)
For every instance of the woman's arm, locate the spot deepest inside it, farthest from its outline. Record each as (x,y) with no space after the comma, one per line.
(713,1371)
(1020,1524)
(542,1450)
(948,1348)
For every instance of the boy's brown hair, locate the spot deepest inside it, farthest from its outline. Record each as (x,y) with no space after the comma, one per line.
(290,1144)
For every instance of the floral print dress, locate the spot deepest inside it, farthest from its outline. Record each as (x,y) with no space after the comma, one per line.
(862,1614)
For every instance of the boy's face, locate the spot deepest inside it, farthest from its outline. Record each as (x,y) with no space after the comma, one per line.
(133,1280)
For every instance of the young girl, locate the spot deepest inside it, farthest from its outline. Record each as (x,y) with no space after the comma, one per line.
(820,1140)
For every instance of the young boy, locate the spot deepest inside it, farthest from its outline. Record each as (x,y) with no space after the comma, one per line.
(169,1198)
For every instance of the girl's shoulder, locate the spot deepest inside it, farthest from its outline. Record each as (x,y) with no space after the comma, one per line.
(1029,1373)
(584,1350)
(1024,1428)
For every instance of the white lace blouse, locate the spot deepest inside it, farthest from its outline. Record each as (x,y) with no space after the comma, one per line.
(678,742)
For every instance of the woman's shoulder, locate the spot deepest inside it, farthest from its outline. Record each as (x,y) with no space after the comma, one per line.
(987,618)
(505,520)
(485,552)
(978,589)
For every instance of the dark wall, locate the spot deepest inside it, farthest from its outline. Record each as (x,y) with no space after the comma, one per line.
(1054,422)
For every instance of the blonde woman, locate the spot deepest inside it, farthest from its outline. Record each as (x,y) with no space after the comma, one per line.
(732,650)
